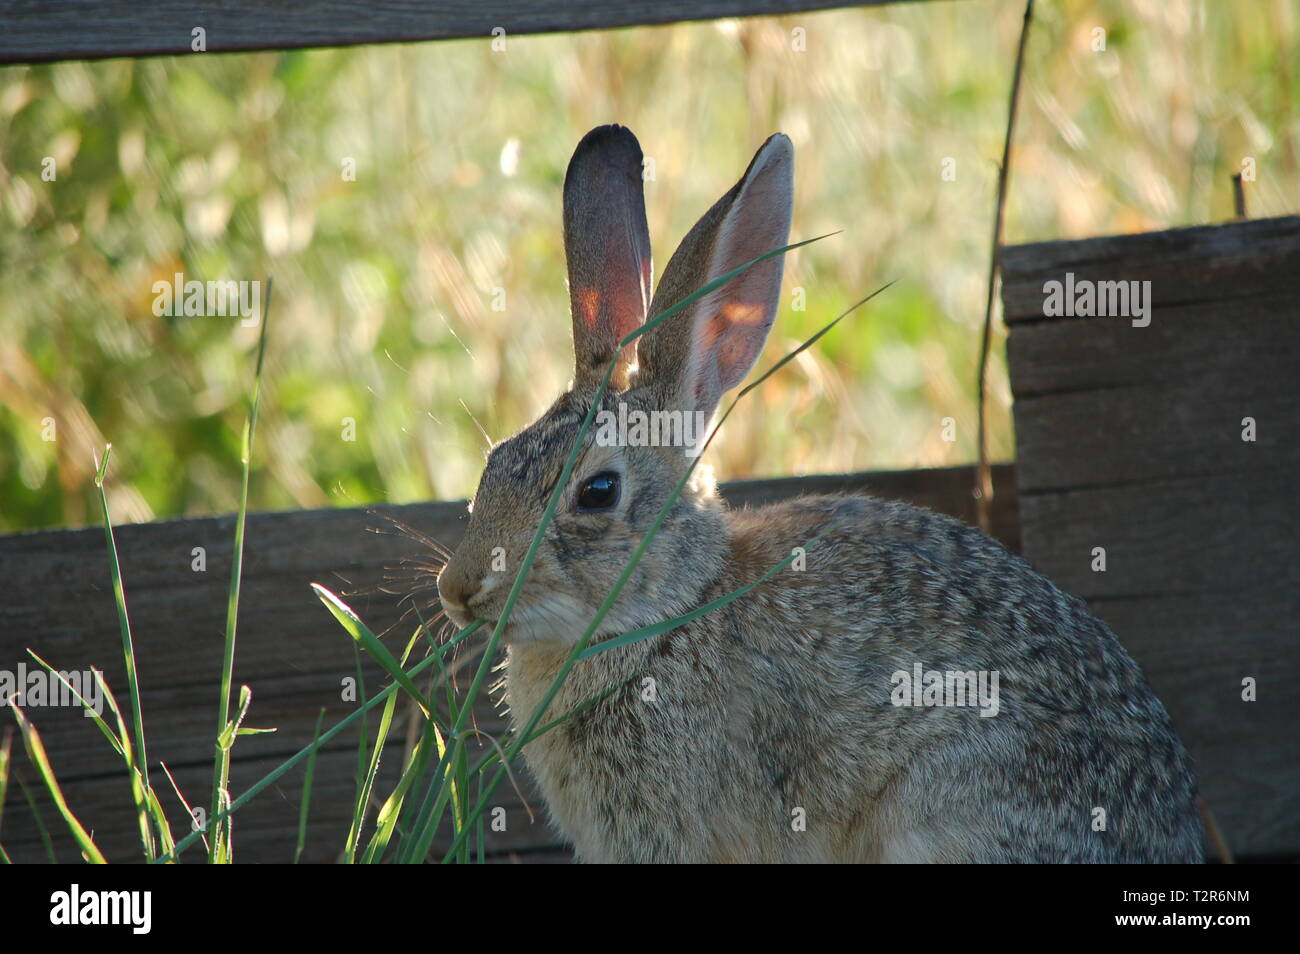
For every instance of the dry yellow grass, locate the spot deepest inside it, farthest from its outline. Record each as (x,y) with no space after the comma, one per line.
(387,287)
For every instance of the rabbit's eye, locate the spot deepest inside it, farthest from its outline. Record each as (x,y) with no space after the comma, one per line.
(599,492)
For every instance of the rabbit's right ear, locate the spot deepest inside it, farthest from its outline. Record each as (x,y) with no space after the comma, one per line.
(607,250)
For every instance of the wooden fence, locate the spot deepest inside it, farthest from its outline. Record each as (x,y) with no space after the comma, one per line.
(291,652)
(41,30)
(1174,448)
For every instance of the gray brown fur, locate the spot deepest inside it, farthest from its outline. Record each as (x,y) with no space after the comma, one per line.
(779,704)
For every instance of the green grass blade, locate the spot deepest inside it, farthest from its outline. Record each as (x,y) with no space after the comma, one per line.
(664,626)
(712,286)
(122,745)
(139,784)
(582,706)
(306,788)
(444,674)
(482,835)
(389,819)
(5,746)
(221,764)
(452,770)
(140,789)
(498,754)
(363,757)
(442,790)
(36,752)
(367,783)
(189,810)
(139,764)
(362,634)
(459,757)
(289,764)
(146,801)
(415,846)
(160,822)
(46,842)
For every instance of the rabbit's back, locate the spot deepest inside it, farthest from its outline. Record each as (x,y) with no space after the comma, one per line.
(783,726)
(1079,762)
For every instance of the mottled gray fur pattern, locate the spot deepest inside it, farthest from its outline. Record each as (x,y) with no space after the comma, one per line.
(764,731)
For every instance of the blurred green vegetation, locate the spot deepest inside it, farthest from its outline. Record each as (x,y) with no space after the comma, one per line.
(230,167)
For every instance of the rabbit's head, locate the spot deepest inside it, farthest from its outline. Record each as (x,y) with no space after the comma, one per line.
(664,390)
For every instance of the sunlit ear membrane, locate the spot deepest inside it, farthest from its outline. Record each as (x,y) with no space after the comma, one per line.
(694,357)
(607,250)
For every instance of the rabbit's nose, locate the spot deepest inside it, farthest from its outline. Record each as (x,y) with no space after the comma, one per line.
(456,587)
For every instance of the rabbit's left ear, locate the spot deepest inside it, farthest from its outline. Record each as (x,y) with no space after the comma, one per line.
(607,249)
(692,357)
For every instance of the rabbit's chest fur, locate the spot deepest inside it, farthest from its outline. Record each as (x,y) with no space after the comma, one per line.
(765,730)
(681,762)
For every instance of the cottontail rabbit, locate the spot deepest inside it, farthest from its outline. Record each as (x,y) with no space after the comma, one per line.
(784,725)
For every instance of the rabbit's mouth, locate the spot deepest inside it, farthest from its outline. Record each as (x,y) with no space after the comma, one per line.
(457,615)
(544,615)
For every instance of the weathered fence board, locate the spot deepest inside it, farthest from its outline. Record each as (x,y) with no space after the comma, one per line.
(1131,439)
(58,600)
(1230,263)
(38,30)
